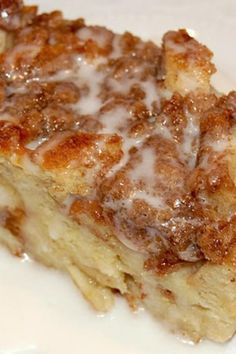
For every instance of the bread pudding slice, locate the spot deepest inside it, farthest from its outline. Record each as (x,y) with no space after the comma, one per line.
(117,166)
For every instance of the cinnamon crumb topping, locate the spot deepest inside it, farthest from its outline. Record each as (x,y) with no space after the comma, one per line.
(140,125)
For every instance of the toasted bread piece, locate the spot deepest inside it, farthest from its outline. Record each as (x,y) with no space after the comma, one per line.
(117,166)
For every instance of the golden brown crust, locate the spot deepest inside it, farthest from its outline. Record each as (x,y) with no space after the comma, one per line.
(133,130)
(186,60)
(91,207)
(14,15)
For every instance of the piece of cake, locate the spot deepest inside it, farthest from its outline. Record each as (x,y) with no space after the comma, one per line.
(118,166)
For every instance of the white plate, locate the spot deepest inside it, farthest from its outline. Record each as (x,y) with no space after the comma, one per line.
(41,312)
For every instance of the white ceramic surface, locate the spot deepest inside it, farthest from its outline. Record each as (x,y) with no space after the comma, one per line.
(41,312)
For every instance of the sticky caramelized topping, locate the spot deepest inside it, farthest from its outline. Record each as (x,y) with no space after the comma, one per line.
(126,130)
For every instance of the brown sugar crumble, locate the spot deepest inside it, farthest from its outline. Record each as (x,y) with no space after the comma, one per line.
(152,157)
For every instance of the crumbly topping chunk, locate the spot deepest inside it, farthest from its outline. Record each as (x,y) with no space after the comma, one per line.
(123,126)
